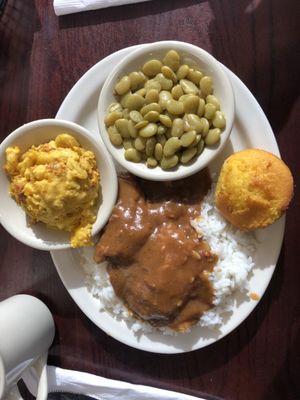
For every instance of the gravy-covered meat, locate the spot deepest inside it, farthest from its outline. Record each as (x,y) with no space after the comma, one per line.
(157,264)
(128,227)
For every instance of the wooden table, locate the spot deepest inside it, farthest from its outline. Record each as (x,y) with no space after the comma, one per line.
(41,58)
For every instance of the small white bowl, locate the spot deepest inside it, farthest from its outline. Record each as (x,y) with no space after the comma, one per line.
(192,55)
(12,216)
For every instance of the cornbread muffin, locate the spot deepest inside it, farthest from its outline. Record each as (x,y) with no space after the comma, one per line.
(254,189)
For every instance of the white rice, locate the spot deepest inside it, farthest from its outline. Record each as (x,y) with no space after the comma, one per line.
(233,248)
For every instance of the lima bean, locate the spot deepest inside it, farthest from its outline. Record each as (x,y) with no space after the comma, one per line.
(188,87)
(172,60)
(186,125)
(213,100)
(209,110)
(142,92)
(176,92)
(132,129)
(149,130)
(135,116)
(206,85)
(200,147)
(140,143)
(123,99)
(164,96)
(212,137)
(151,107)
(194,75)
(196,141)
(188,138)
(204,126)
(112,129)
(165,83)
(151,116)
(177,127)
(123,85)
(127,144)
(134,102)
(158,151)
(161,139)
(172,145)
(132,155)
(151,162)
(152,67)
(201,107)
(152,96)
(150,146)
(219,120)
(194,122)
(112,117)
(161,129)
(114,136)
(141,124)
(152,84)
(174,107)
(114,107)
(182,71)
(122,127)
(166,120)
(169,73)
(190,103)
(188,154)
(169,162)
(125,113)
(136,80)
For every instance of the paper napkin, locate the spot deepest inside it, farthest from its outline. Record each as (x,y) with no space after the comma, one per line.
(67,381)
(62,7)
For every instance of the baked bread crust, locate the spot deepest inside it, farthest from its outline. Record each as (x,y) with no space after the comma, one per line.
(254,189)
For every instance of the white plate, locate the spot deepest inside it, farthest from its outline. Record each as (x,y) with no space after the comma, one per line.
(251,129)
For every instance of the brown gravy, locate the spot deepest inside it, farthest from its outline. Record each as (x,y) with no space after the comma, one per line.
(157,264)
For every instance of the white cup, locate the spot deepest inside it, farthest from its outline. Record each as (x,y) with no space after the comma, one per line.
(26,333)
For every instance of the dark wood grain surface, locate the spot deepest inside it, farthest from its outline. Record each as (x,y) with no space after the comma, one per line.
(41,58)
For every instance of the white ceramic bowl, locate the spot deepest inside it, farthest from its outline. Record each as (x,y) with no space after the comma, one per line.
(192,55)
(12,216)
